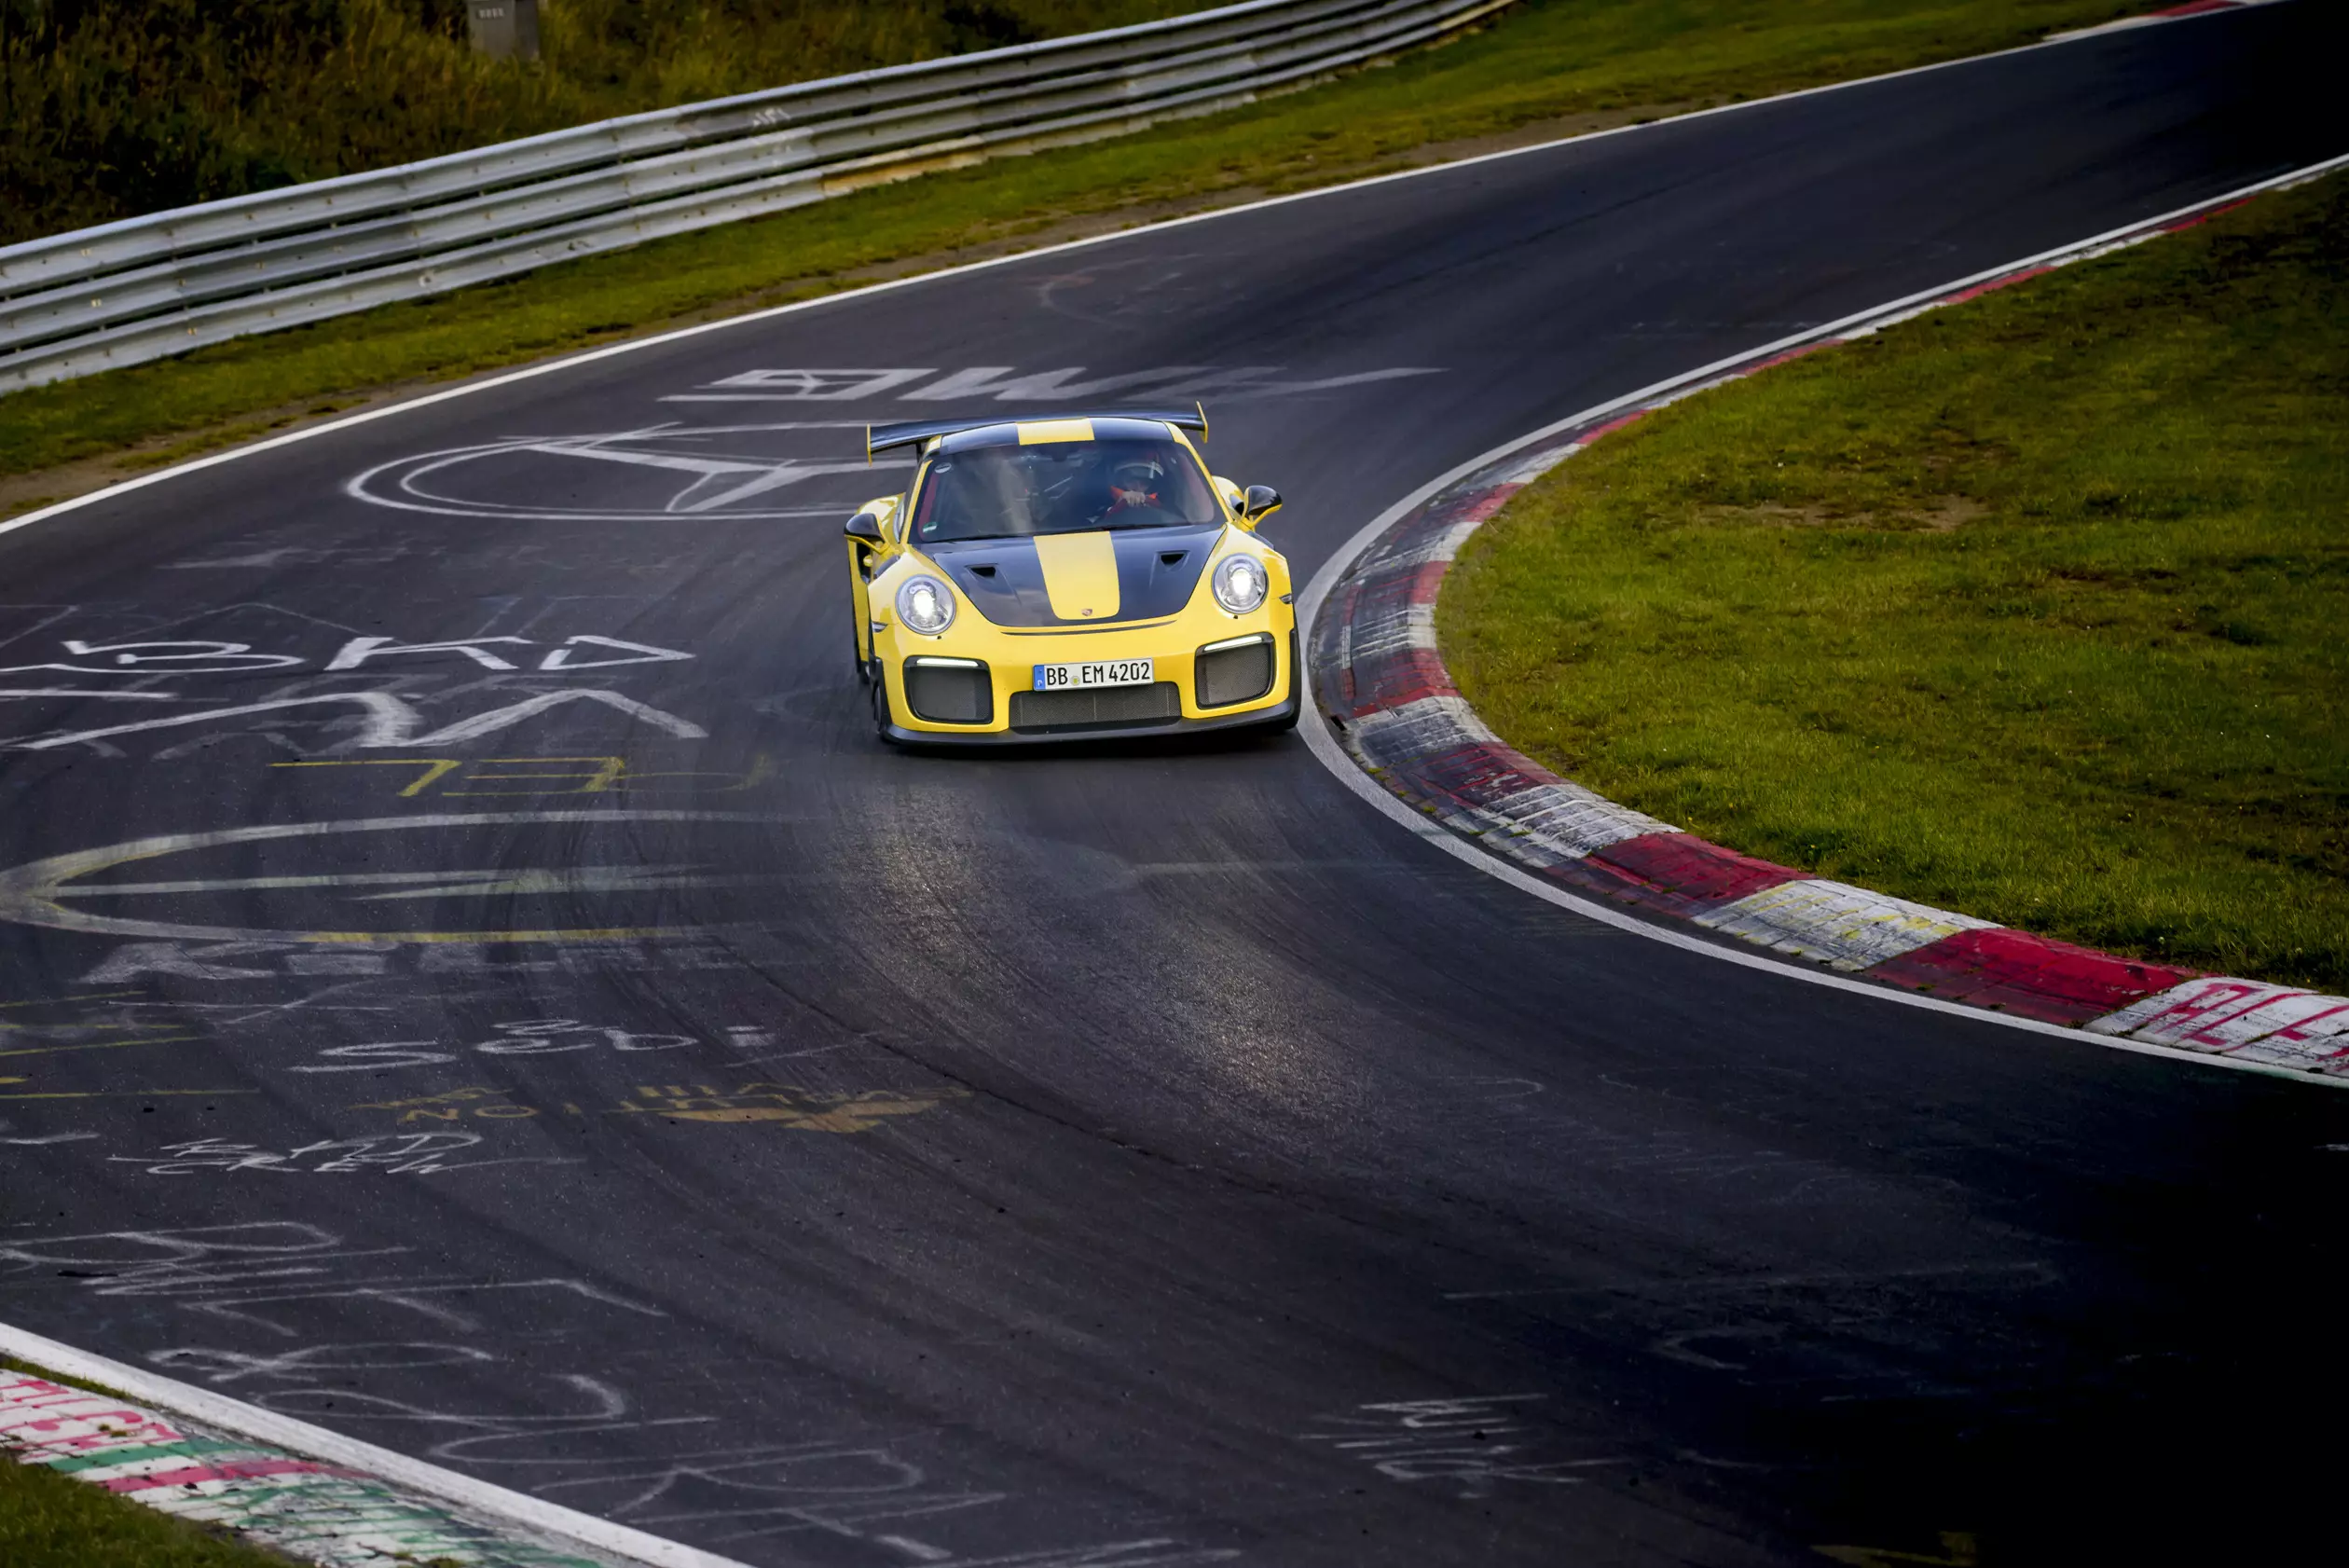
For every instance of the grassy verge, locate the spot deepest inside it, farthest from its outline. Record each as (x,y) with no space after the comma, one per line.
(134,105)
(2030,608)
(1552,65)
(49,1521)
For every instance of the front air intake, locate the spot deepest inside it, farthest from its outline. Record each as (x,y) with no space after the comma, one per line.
(1234,674)
(950,693)
(1106,707)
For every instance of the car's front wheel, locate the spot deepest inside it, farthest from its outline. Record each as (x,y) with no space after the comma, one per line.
(881,719)
(1297,691)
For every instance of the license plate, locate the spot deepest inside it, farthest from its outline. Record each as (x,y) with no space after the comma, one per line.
(1108,673)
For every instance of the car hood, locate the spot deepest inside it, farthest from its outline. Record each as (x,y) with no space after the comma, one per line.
(1080,578)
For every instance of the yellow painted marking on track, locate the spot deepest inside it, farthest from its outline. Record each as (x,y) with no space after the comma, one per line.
(100,1045)
(1037,433)
(452,1096)
(61,1001)
(610,776)
(801,1109)
(796,1109)
(607,773)
(762,771)
(1081,574)
(117,1093)
(435,768)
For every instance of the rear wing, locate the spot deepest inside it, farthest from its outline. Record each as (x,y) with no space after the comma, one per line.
(880,438)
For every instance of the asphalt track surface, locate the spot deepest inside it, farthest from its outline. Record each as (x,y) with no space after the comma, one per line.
(876,1158)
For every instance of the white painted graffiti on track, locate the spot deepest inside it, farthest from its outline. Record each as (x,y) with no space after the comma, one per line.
(394,1154)
(790,470)
(269,962)
(46,892)
(669,472)
(1476,1443)
(217,656)
(269,1275)
(311,686)
(384,720)
(574,1439)
(1068,386)
(533,1037)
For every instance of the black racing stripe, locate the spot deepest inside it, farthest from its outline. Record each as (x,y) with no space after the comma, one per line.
(1003,579)
(1159,568)
(1157,571)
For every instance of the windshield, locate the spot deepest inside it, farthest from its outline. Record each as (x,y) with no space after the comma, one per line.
(1062,487)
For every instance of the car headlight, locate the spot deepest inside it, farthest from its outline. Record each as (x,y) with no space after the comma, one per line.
(1241,582)
(926,605)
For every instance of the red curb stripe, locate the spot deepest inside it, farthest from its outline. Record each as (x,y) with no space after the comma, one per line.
(1671,873)
(2198,8)
(2211,1007)
(1995,284)
(2201,218)
(241,1469)
(2031,976)
(1487,504)
(1405,676)
(1793,354)
(1594,431)
(1680,872)
(1481,772)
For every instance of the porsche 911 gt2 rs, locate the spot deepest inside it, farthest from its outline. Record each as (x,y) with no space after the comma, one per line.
(1083,575)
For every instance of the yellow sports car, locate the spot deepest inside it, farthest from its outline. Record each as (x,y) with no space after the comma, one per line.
(1085,575)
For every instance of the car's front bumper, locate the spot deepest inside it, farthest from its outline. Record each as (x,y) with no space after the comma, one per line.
(1281,713)
(1008,661)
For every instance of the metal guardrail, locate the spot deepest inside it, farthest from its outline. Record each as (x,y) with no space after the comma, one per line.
(145,288)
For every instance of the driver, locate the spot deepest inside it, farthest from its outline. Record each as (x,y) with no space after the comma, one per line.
(1134,484)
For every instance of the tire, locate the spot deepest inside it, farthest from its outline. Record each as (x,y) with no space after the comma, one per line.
(1297,691)
(880,708)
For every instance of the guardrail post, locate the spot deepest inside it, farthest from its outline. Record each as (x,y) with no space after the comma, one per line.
(507,28)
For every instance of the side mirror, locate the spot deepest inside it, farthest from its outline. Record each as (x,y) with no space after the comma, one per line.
(1262,501)
(866,528)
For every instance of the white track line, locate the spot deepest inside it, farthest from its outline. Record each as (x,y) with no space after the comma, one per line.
(236,1417)
(1324,744)
(593,355)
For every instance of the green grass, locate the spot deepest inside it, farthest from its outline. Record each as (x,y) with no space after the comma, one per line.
(48,1520)
(2031,608)
(57,1521)
(117,107)
(51,1521)
(1549,60)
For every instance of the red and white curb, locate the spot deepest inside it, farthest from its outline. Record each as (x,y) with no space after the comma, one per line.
(1396,715)
(2154,18)
(313,1494)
